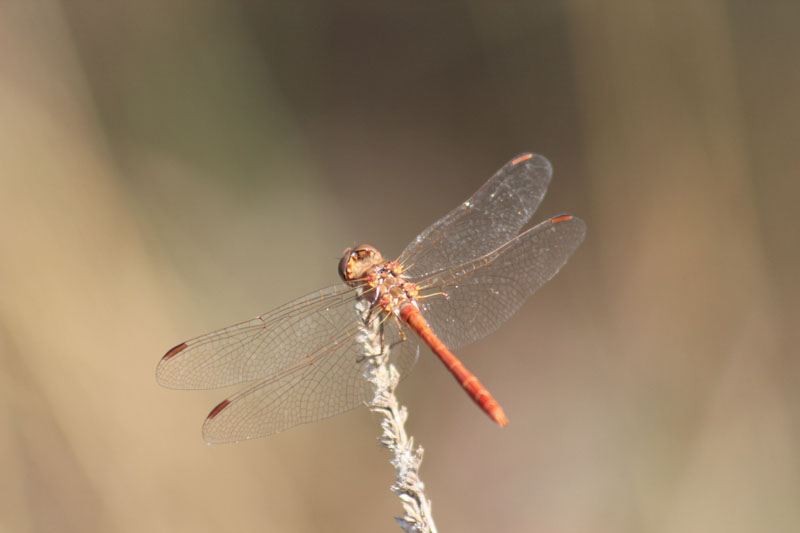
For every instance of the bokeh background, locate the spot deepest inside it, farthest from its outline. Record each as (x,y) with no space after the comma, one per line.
(170,168)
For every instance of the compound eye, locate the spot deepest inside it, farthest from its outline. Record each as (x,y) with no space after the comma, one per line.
(344,263)
(357,261)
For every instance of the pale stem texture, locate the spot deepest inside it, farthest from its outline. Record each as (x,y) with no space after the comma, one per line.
(406,460)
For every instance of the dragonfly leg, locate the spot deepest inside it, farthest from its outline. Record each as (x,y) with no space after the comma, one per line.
(400,330)
(440,293)
(399,325)
(373,315)
(385,347)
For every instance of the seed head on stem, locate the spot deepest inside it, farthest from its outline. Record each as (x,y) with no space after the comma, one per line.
(405,458)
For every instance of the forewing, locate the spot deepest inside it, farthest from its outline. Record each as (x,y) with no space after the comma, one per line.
(469,302)
(492,216)
(264,346)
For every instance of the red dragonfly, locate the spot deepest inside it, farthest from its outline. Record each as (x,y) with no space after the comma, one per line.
(455,283)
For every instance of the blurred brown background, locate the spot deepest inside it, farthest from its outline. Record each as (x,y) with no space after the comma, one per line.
(170,168)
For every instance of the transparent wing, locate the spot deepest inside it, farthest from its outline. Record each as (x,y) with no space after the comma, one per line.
(470,301)
(330,382)
(286,337)
(492,216)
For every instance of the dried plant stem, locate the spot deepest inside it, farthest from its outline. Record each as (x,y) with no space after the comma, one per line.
(406,460)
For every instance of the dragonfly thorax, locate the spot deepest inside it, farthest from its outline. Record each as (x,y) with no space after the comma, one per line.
(390,290)
(379,280)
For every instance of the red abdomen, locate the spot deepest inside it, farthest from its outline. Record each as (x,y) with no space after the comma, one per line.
(410,315)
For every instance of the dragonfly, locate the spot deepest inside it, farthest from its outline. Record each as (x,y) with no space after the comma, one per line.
(455,283)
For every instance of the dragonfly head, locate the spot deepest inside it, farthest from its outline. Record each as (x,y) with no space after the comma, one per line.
(357,262)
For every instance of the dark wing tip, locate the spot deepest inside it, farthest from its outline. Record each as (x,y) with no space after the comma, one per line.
(218,409)
(536,163)
(520,158)
(561,218)
(175,350)
(209,434)
(573,225)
